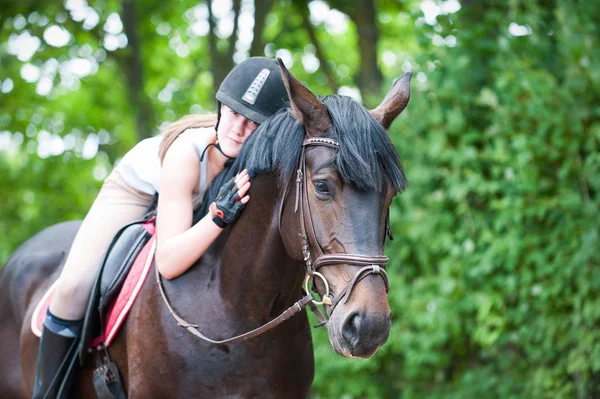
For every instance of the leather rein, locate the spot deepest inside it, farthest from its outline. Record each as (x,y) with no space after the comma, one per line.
(371,264)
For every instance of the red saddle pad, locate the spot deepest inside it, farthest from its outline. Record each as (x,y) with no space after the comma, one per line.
(119,308)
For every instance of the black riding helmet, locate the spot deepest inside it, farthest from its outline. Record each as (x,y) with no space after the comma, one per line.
(253,89)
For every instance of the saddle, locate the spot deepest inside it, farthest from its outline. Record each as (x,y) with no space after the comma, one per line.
(122,273)
(111,297)
(120,279)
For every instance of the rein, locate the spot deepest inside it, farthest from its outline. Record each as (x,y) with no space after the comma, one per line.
(371,264)
(193,328)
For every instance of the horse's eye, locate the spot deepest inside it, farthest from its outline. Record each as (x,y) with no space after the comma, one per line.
(321,187)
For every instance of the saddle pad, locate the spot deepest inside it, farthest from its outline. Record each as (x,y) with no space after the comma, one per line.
(119,308)
(39,314)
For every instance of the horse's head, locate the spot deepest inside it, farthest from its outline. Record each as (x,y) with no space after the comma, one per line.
(348,172)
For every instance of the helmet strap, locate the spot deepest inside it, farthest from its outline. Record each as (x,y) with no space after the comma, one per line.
(218,147)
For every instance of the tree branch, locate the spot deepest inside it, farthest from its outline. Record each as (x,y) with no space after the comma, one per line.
(133,68)
(234,33)
(364,16)
(212,45)
(304,12)
(261,10)
(221,63)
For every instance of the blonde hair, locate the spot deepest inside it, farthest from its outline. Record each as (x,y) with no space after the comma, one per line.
(171,131)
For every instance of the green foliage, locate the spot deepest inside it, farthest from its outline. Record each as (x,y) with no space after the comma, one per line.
(496,261)
(495,264)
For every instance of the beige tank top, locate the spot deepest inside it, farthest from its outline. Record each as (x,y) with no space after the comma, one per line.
(140,167)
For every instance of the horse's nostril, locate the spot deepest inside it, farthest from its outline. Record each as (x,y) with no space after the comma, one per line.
(351,328)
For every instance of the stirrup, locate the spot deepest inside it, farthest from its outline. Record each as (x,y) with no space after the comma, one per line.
(106,377)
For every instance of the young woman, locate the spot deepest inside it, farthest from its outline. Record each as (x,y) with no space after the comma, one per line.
(180,163)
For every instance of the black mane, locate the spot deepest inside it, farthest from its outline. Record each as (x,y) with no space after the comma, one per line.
(365,149)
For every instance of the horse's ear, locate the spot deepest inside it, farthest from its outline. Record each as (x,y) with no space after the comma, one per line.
(394,102)
(306,107)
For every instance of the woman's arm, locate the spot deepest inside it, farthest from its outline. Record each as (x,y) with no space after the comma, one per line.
(179,244)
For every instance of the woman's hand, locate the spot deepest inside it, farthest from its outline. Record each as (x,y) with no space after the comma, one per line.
(231,199)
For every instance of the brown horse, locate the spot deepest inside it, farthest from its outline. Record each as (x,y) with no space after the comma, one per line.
(324,174)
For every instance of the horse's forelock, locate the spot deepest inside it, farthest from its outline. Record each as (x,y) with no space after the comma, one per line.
(365,149)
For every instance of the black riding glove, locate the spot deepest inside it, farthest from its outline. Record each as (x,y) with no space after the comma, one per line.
(227,207)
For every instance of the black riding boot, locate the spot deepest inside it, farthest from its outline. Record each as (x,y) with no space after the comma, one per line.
(57,358)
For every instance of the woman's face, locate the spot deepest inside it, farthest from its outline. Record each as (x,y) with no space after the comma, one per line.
(234,130)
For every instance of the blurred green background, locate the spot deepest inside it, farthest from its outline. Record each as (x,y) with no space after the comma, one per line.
(495,266)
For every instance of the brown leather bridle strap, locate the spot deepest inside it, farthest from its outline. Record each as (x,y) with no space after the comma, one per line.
(308,231)
(361,274)
(318,314)
(372,264)
(302,203)
(360,260)
(321,141)
(287,314)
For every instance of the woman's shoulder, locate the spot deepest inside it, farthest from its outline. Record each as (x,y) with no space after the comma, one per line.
(181,163)
(198,137)
(182,148)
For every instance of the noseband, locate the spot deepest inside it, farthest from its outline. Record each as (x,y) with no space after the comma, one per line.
(370,264)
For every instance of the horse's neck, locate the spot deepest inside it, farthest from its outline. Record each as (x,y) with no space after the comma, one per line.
(247,270)
(256,274)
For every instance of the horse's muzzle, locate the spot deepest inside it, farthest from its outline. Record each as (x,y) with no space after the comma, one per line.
(359,332)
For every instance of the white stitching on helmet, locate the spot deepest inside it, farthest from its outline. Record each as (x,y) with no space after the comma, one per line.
(256,86)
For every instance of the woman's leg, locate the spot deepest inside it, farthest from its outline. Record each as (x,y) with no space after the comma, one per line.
(116,205)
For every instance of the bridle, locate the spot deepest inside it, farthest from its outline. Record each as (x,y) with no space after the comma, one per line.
(370,264)
(374,264)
